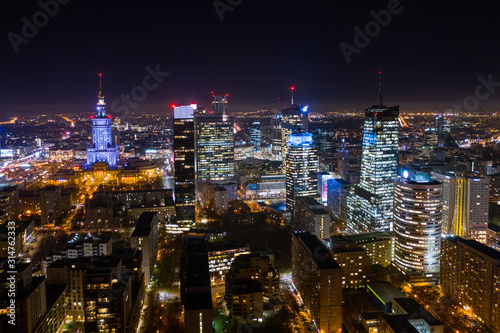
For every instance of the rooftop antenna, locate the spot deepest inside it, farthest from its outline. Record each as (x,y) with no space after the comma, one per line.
(292,88)
(380,98)
(100,84)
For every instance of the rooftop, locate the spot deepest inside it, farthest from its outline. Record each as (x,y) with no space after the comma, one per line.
(322,256)
(484,249)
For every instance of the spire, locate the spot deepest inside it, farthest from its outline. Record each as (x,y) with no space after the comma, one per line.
(100,85)
(380,98)
(101,105)
(292,88)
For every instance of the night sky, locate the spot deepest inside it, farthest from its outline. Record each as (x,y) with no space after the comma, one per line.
(431,53)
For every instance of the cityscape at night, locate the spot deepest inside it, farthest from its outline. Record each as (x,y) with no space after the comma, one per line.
(229,166)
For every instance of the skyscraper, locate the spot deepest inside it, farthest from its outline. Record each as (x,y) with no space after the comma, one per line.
(291,120)
(184,164)
(470,218)
(343,162)
(417,225)
(219,104)
(448,180)
(301,166)
(214,147)
(255,135)
(370,206)
(103,148)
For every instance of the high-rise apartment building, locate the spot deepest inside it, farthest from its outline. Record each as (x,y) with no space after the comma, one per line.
(318,278)
(370,206)
(465,204)
(312,217)
(103,148)
(184,165)
(50,204)
(301,167)
(470,218)
(214,147)
(470,274)
(417,226)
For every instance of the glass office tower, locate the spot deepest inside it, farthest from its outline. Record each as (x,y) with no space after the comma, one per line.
(370,206)
(301,165)
(184,164)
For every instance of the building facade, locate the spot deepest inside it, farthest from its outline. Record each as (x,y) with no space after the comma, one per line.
(301,165)
(103,148)
(379,163)
(318,279)
(417,227)
(214,147)
(184,165)
(470,274)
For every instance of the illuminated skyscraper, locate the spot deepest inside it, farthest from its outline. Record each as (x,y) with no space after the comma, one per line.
(184,164)
(103,148)
(301,165)
(255,135)
(470,219)
(291,120)
(417,225)
(214,147)
(343,162)
(219,104)
(370,206)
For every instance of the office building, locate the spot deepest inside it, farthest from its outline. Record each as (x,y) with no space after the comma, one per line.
(343,162)
(255,136)
(318,279)
(312,217)
(355,263)
(184,165)
(219,104)
(448,180)
(196,295)
(323,178)
(291,120)
(337,190)
(370,207)
(50,205)
(301,166)
(417,226)
(378,245)
(214,147)
(103,148)
(470,277)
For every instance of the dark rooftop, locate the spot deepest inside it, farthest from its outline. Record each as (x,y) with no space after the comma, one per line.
(415,310)
(321,255)
(399,323)
(484,249)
